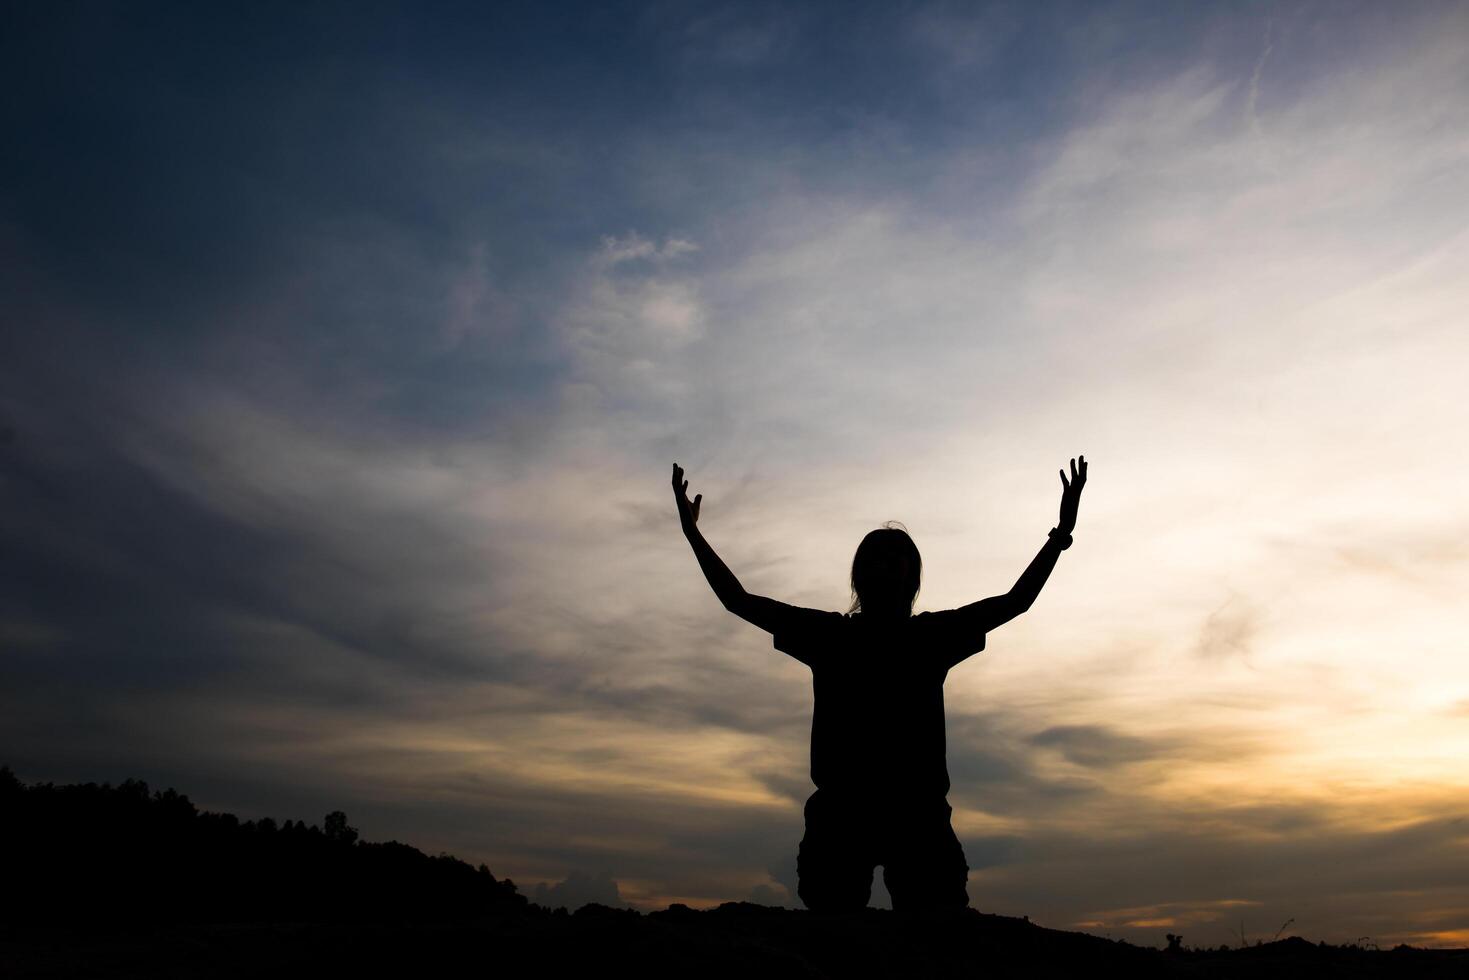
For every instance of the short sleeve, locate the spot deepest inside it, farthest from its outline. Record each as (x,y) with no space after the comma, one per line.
(952,634)
(805,634)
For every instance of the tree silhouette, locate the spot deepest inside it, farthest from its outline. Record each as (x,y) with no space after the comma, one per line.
(336,828)
(121,853)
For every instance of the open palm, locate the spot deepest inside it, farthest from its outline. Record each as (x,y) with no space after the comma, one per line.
(1071,494)
(688,513)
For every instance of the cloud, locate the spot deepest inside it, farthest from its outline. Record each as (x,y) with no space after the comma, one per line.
(1220,879)
(772,895)
(1094,746)
(966,37)
(616,251)
(578,888)
(1254,97)
(1229,630)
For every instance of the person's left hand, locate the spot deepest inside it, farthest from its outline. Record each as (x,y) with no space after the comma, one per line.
(688,513)
(1071,495)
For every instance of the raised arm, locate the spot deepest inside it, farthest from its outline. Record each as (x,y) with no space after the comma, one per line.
(721,579)
(986,614)
(764,613)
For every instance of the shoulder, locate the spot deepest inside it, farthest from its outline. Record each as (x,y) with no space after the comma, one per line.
(803,633)
(945,619)
(953,630)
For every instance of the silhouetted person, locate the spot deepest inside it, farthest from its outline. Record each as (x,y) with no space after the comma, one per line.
(877,732)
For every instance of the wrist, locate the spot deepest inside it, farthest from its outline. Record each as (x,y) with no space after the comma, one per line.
(1059,537)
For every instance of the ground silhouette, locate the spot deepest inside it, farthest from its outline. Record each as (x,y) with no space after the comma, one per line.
(120,853)
(117,881)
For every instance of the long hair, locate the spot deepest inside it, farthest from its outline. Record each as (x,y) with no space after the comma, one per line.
(877,552)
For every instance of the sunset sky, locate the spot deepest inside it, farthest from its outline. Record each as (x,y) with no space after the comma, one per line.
(345,350)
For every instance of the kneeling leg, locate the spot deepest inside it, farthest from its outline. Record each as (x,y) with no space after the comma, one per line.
(925,866)
(834,865)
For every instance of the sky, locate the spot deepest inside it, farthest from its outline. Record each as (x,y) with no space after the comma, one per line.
(345,350)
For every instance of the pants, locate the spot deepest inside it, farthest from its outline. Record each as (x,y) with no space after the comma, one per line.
(922,861)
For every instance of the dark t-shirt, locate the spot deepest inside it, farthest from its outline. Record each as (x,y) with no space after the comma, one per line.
(878,724)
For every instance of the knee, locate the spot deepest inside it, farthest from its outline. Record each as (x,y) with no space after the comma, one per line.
(829,884)
(830,897)
(928,882)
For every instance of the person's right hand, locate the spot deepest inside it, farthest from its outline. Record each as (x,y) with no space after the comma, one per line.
(688,513)
(1071,495)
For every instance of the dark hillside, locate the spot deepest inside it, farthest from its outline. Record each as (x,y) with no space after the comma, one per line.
(115,881)
(120,853)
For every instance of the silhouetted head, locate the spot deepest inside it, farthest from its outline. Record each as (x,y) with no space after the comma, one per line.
(885,572)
